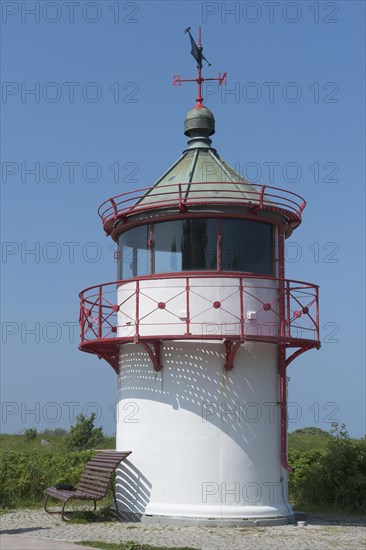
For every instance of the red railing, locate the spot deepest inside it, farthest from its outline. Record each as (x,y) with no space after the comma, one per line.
(181,196)
(250,308)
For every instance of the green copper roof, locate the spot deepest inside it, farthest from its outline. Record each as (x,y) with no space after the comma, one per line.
(200,164)
(200,180)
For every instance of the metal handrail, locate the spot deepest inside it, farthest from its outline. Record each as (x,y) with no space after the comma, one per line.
(170,196)
(99,310)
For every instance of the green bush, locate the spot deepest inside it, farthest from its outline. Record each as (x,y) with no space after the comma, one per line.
(84,435)
(24,476)
(333,478)
(30,434)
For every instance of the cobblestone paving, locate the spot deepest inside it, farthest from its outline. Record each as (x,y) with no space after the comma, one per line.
(321,534)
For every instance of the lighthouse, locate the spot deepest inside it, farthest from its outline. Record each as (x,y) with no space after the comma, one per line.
(200,327)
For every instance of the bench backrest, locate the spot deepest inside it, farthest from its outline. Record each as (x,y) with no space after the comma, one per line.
(98,472)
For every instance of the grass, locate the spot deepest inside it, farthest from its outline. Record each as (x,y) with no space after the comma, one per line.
(306,439)
(299,441)
(311,439)
(19,442)
(129,545)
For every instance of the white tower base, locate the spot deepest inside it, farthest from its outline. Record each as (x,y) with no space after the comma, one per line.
(206,442)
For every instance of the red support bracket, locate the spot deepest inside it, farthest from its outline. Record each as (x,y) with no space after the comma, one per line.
(231,349)
(154,351)
(298,352)
(112,359)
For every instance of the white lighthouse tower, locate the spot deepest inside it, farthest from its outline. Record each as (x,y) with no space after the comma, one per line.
(200,327)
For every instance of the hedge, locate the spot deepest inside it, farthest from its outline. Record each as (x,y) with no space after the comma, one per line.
(24,476)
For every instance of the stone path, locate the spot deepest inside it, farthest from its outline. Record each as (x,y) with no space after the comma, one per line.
(320,534)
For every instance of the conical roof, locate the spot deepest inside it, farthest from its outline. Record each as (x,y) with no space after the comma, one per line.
(201,181)
(199,166)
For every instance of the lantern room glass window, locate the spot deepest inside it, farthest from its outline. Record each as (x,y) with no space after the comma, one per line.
(197,245)
(246,246)
(134,253)
(185,245)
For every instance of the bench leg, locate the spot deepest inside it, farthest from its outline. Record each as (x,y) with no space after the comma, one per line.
(45,506)
(68,519)
(114,496)
(62,511)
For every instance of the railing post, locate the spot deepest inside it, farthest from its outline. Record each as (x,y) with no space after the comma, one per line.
(261,196)
(188,313)
(317,313)
(301,208)
(281,307)
(281,284)
(241,292)
(114,207)
(82,319)
(100,316)
(180,197)
(137,321)
(288,312)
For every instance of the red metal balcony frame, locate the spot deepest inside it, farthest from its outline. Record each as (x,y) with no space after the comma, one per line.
(98,317)
(173,196)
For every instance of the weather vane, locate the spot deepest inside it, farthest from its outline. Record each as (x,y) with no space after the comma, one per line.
(196,51)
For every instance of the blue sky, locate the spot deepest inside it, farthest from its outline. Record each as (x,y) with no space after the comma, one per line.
(105,118)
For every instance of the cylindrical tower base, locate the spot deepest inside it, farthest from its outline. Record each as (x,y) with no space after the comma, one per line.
(205,442)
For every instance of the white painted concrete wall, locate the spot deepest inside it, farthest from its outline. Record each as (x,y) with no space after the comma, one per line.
(205,319)
(205,443)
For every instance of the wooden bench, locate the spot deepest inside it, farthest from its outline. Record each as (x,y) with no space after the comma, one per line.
(96,478)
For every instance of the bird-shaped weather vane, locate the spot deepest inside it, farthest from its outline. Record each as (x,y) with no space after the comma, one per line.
(196,51)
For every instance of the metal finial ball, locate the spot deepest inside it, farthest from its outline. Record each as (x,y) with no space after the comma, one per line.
(199,121)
